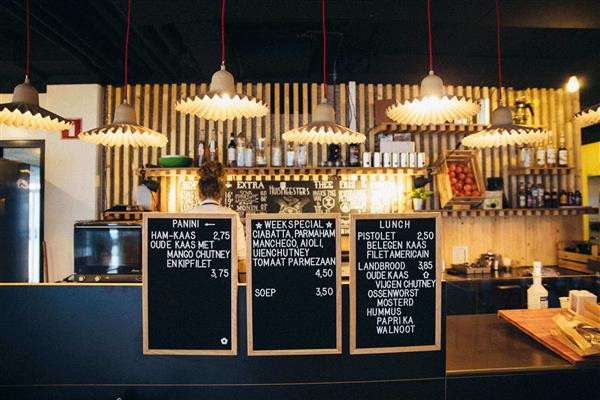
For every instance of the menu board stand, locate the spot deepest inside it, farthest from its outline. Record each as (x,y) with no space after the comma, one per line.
(189,292)
(395,283)
(293,291)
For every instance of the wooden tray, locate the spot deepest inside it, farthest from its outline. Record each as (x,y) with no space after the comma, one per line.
(537,324)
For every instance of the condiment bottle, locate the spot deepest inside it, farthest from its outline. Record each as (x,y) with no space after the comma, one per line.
(537,295)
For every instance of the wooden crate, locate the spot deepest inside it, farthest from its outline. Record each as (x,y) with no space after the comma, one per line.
(444,186)
(573,260)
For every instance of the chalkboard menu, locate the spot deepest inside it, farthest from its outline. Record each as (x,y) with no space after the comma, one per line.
(293,284)
(395,283)
(189,284)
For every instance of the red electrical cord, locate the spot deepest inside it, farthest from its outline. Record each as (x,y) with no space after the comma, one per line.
(223,32)
(500,83)
(125,79)
(27,50)
(429,33)
(324,49)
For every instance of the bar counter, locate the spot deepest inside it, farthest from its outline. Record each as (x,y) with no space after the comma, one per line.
(70,339)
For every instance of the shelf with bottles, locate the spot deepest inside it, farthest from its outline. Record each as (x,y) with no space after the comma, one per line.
(428,129)
(555,170)
(509,212)
(159,172)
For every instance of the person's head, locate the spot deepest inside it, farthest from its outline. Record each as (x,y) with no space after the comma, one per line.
(212,180)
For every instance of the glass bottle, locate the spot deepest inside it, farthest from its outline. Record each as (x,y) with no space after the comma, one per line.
(212,150)
(301,155)
(532,201)
(540,156)
(525,156)
(202,150)
(276,160)
(354,155)
(231,152)
(555,202)
(290,155)
(551,153)
(522,195)
(563,153)
(563,199)
(547,199)
(578,198)
(540,195)
(249,156)
(261,159)
(241,151)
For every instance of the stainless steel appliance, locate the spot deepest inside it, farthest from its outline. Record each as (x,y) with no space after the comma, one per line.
(108,251)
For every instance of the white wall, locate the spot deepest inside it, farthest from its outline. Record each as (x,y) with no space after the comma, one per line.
(71,177)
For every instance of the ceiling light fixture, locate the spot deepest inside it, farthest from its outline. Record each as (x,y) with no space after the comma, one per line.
(24,111)
(432,106)
(221,102)
(323,129)
(503,131)
(125,130)
(588,116)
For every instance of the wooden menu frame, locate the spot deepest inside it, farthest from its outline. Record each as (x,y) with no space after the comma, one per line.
(437,346)
(233,278)
(338,279)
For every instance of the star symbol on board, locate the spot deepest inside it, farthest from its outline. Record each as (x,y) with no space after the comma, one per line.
(258,225)
(425,274)
(329,224)
(224,341)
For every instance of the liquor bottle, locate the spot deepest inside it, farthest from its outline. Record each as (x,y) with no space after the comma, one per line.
(525,154)
(547,199)
(241,151)
(276,160)
(540,156)
(354,155)
(201,154)
(555,201)
(578,198)
(534,194)
(551,153)
(261,159)
(563,199)
(563,153)
(529,198)
(231,152)
(570,199)
(522,195)
(540,195)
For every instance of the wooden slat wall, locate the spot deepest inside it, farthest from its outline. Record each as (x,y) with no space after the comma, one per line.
(291,104)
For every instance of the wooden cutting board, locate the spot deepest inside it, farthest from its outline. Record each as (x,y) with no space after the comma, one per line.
(537,324)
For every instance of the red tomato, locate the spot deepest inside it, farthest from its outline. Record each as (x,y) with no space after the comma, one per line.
(467,188)
(453,180)
(465,169)
(458,185)
(468,180)
(462,177)
(451,167)
(467,194)
(451,174)
(476,193)
(458,169)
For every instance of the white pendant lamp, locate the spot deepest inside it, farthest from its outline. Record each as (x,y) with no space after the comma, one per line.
(502,131)
(323,129)
(125,130)
(24,111)
(432,106)
(588,116)
(222,102)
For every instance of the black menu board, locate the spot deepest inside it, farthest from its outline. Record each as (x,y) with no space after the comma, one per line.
(293,284)
(189,284)
(395,283)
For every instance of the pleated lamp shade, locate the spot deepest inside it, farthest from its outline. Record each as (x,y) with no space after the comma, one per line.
(124,131)
(502,132)
(323,130)
(588,116)
(25,112)
(221,102)
(432,106)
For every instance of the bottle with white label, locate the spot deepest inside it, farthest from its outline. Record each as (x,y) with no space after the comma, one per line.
(540,156)
(551,153)
(290,155)
(249,156)
(563,153)
(276,159)
(301,155)
(231,152)
(537,295)
(241,151)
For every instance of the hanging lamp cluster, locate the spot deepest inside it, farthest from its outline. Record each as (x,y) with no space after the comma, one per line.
(125,130)
(24,110)
(221,102)
(588,116)
(502,131)
(323,129)
(432,106)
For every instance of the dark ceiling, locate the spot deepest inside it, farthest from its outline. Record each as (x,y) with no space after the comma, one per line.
(77,41)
